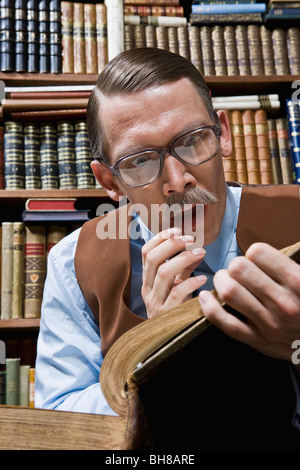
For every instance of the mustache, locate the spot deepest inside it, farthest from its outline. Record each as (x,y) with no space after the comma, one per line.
(192,196)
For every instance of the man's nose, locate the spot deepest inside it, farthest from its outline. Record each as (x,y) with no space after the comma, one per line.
(176,176)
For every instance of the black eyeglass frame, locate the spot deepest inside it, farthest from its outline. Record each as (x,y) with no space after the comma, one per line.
(169,150)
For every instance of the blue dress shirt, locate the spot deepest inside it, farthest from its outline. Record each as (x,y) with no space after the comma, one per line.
(68,353)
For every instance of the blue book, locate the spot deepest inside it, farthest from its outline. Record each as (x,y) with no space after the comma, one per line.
(229,8)
(293,117)
(283,12)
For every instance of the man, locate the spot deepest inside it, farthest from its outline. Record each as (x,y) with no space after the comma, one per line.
(156,140)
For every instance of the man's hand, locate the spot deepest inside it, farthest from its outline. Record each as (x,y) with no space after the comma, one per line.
(263,285)
(167,267)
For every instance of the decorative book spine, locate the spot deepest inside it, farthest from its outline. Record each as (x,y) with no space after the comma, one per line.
(207,50)
(219,50)
(55,233)
(2,181)
(6,270)
(139,35)
(255,50)
(239,147)
(7,26)
(195,47)
(2,387)
(172,40)
(101,30)
(263,146)
(90,38)
(48,156)
(242,49)
(280,52)
(44,36)
(18,269)
(115,27)
(66,155)
(267,51)
(78,38)
(230,50)
(284,150)
(129,37)
(35,245)
(21,35)
(183,42)
(274,151)
(33,36)
(162,37)
(83,157)
(24,385)
(150,35)
(55,27)
(293,117)
(67,37)
(31,387)
(293,47)
(12,382)
(13,155)
(229,163)
(32,156)
(251,149)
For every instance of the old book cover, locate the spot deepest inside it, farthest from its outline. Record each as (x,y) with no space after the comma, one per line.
(18,270)
(2,182)
(32,156)
(231,50)
(242,49)
(24,385)
(12,396)
(67,37)
(13,155)
(195,47)
(229,163)
(90,38)
(83,157)
(263,146)
(284,150)
(239,147)
(267,50)
(207,50)
(6,270)
(55,233)
(66,155)
(172,39)
(293,118)
(280,53)
(217,36)
(34,253)
(255,50)
(251,149)
(101,32)
(48,156)
(274,151)
(293,45)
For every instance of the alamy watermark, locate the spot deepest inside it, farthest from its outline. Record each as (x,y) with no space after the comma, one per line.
(2,353)
(296,354)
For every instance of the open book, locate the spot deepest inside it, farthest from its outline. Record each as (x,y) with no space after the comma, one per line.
(170,380)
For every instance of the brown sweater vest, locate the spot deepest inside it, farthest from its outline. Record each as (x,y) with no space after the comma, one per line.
(268,214)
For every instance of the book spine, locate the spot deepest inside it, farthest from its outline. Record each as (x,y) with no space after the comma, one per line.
(162,37)
(183,42)
(172,39)
(13,155)
(227,18)
(55,26)
(139,35)
(6,270)
(219,50)
(7,26)
(230,50)
(21,36)
(66,155)
(12,382)
(274,151)
(101,32)
(2,180)
(284,150)
(239,147)
(24,385)
(32,156)
(229,163)
(48,156)
(195,47)
(115,27)
(242,49)
(55,233)
(267,51)
(44,36)
(263,146)
(34,253)
(2,387)
(67,37)
(18,266)
(293,118)
(90,38)
(166,21)
(33,37)
(293,46)
(129,37)
(78,38)
(31,386)
(153,10)
(83,157)
(207,50)
(255,50)
(150,36)
(280,52)
(251,149)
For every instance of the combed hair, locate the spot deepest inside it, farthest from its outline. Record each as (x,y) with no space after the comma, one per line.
(136,70)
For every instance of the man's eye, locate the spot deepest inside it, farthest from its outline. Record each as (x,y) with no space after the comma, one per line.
(190,140)
(140,161)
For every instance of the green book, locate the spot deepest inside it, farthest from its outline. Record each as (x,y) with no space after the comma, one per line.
(24,385)
(2,387)
(13,382)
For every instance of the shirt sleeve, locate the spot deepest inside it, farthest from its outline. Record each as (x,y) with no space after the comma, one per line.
(68,351)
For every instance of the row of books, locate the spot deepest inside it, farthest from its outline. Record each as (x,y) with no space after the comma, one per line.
(24,251)
(283,10)
(225,50)
(17,384)
(262,152)
(45,156)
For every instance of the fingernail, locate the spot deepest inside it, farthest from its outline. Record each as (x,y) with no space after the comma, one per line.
(198,251)
(201,278)
(204,296)
(187,238)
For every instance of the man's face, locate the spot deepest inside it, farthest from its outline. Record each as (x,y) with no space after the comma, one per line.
(152,119)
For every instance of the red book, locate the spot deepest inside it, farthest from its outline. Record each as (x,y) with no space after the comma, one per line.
(2,185)
(50,205)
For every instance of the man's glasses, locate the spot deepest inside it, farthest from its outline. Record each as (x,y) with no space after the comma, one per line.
(191,148)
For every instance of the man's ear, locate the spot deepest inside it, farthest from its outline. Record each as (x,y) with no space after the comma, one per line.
(225,139)
(106,180)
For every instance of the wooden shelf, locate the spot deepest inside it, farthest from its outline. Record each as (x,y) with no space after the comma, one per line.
(20,324)
(47,79)
(23,194)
